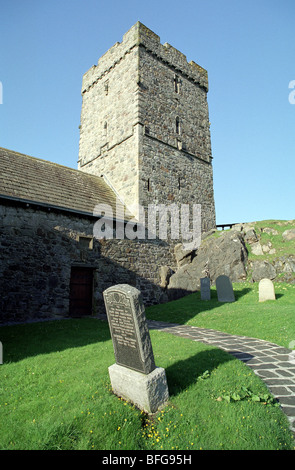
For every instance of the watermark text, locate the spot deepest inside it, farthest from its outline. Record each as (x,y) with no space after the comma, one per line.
(292,93)
(156,221)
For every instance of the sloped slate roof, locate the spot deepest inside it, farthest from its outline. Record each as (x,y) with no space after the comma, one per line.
(30,179)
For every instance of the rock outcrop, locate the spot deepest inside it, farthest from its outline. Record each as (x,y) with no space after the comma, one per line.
(289,234)
(227,253)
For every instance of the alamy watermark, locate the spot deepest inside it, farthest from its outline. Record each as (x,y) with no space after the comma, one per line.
(157,221)
(292,93)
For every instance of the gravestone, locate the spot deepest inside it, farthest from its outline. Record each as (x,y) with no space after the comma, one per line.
(205,288)
(224,288)
(134,376)
(266,290)
(129,331)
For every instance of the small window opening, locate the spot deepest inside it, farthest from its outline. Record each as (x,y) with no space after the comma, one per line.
(176,84)
(105,129)
(177,125)
(86,243)
(106,88)
(148,185)
(179,185)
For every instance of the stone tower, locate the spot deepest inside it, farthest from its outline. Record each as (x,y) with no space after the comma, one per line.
(145,125)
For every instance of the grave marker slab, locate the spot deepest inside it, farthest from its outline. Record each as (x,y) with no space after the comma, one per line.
(266,290)
(224,288)
(135,376)
(129,330)
(205,288)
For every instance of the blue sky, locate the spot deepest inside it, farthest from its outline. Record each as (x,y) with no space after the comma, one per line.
(247,47)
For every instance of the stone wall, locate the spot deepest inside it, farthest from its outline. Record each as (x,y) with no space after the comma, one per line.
(38,249)
(175,146)
(108,139)
(167,94)
(174,178)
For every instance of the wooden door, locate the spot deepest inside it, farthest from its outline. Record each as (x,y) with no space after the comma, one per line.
(81,291)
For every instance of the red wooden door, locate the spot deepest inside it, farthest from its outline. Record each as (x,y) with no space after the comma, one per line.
(81,291)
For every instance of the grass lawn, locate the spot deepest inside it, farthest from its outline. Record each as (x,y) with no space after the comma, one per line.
(55,394)
(273,320)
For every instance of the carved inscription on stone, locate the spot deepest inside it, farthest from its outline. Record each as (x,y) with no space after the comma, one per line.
(129,331)
(122,321)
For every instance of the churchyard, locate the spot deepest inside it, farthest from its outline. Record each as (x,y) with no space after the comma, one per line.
(56,391)
(271,320)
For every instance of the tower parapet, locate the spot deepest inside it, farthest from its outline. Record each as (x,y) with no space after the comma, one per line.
(140,35)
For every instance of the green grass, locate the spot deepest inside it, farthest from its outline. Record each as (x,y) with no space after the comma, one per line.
(273,320)
(55,394)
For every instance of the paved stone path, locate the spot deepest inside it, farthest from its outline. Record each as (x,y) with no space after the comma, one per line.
(274,364)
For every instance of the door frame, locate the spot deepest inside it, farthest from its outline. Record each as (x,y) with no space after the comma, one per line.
(81,267)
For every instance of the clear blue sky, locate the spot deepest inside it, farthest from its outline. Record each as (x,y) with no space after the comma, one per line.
(248,48)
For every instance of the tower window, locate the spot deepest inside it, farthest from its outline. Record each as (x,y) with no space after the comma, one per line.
(177,125)
(176,84)
(86,243)
(105,129)
(106,88)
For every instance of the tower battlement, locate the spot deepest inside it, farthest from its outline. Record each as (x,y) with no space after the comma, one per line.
(140,35)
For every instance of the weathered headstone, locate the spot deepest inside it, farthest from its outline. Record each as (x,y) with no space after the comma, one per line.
(205,288)
(266,290)
(224,288)
(130,334)
(134,376)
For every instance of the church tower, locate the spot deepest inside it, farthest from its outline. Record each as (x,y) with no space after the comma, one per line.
(145,125)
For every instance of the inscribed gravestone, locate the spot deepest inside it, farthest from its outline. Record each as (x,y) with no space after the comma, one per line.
(205,288)
(266,290)
(129,331)
(134,377)
(224,288)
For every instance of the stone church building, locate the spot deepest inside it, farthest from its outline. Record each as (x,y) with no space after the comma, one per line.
(144,139)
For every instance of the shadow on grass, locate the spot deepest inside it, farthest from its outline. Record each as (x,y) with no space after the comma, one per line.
(32,339)
(278,296)
(182,374)
(182,310)
(240,293)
